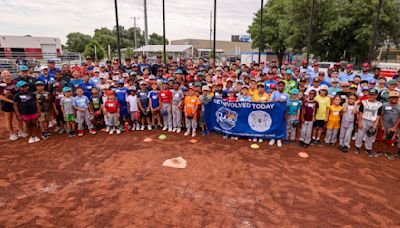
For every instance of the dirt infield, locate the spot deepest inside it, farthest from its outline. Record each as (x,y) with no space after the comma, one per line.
(104,181)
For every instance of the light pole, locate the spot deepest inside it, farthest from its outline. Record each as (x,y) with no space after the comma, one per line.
(118,38)
(215,23)
(374,31)
(260,45)
(163,20)
(310,29)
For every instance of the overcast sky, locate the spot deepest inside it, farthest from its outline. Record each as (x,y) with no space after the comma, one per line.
(184,18)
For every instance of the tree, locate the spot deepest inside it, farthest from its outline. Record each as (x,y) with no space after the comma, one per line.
(77,41)
(155,39)
(89,50)
(105,37)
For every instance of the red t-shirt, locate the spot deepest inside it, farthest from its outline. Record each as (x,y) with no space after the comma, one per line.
(165,96)
(233,99)
(112,106)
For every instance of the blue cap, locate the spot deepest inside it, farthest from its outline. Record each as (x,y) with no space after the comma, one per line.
(171,79)
(294,91)
(132,73)
(152,77)
(21,84)
(164,81)
(23,68)
(289,72)
(51,61)
(365,88)
(102,65)
(372,81)
(239,82)
(39,82)
(134,65)
(66,89)
(120,81)
(231,90)
(334,80)
(178,72)
(199,74)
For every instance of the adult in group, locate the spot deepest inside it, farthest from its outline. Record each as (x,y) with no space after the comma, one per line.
(8,88)
(348,75)
(24,76)
(365,75)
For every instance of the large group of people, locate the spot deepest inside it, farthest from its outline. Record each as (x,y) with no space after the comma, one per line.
(134,95)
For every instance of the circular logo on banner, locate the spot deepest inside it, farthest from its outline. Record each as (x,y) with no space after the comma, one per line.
(226,118)
(259,121)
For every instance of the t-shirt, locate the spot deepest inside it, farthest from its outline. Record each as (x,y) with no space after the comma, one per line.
(390,114)
(165,96)
(66,103)
(293,106)
(57,99)
(177,96)
(289,85)
(334,112)
(323,104)
(10,86)
(309,109)
(280,96)
(81,102)
(121,93)
(333,91)
(268,83)
(96,102)
(153,96)
(133,103)
(242,98)
(112,106)
(46,79)
(26,103)
(348,116)
(370,110)
(44,100)
(260,98)
(87,88)
(191,102)
(144,99)
(74,83)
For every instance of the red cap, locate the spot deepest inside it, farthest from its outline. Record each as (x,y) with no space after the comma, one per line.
(109,92)
(349,66)
(338,65)
(330,68)
(315,64)
(365,65)
(286,63)
(272,86)
(273,61)
(293,63)
(262,62)
(297,69)
(304,62)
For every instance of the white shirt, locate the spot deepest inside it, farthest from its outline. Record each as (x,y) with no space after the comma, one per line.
(133,104)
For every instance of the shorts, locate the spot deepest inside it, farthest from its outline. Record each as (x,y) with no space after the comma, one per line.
(123,112)
(135,115)
(44,116)
(29,117)
(7,107)
(69,117)
(333,124)
(142,114)
(381,137)
(319,123)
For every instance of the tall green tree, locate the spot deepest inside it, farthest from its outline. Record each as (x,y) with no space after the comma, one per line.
(77,41)
(89,50)
(155,39)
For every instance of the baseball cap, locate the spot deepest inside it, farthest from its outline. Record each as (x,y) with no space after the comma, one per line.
(286,63)
(51,61)
(66,89)
(125,75)
(245,87)
(315,64)
(178,72)
(219,69)
(316,79)
(197,84)
(120,81)
(303,79)
(334,80)
(272,86)
(372,81)
(102,65)
(132,73)
(205,88)
(164,81)
(373,91)
(365,88)
(39,83)
(392,82)
(353,87)
(134,65)
(365,65)
(337,65)
(142,83)
(21,84)
(171,79)
(23,68)
(239,82)
(152,77)
(199,74)
(349,66)
(96,69)
(231,90)
(294,91)
(273,61)
(132,88)
(325,87)
(304,62)
(393,94)
(289,72)
(260,84)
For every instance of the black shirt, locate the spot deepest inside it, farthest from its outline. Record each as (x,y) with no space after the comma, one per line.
(26,103)
(30,80)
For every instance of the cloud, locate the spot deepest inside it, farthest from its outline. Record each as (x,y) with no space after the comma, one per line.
(184,19)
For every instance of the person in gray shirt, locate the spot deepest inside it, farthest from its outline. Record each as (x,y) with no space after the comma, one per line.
(177,102)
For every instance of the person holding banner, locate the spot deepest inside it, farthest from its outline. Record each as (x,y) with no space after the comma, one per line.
(279,96)
(260,96)
(292,116)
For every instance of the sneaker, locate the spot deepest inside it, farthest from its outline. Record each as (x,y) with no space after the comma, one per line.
(149,127)
(50,124)
(31,140)
(354,137)
(92,131)
(389,156)
(165,128)
(13,137)
(306,145)
(111,131)
(170,129)
(22,134)
(118,131)
(369,153)
(187,132)
(254,140)
(319,142)
(57,129)
(345,149)
(225,137)
(133,127)
(142,128)
(291,142)
(54,122)
(137,127)
(286,142)
(313,142)
(340,147)
(80,133)
(174,129)
(178,130)
(378,154)
(45,136)
(203,133)
(271,142)
(279,143)
(193,133)
(208,132)
(108,129)
(36,139)
(357,150)
(301,143)
(61,131)
(260,140)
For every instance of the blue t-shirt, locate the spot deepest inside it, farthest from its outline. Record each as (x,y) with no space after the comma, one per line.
(333,91)
(121,94)
(144,98)
(74,84)
(366,76)
(293,106)
(95,81)
(241,98)
(279,96)
(153,96)
(81,102)
(267,84)
(344,77)
(87,88)
(47,80)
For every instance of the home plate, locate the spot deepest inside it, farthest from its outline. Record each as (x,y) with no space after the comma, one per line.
(177,162)
(303,154)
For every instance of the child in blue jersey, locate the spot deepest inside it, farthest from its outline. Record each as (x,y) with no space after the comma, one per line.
(155,106)
(270,80)
(121,94)
(75,81)
(81,105)
(86,86)
(245,96)
(145,114)
(292,116)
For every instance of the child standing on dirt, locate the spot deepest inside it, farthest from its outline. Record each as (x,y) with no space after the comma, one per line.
(204,99)
(177,103)
(81,105)
(322,114)
(144,107)
(133,108)
(45,103)
(155,106)
(309,109)
(68,111)
(165,96)
(191,104)
(112,110)
(348,120)
(333,124)
(292,116)
(27,109)
(95,108)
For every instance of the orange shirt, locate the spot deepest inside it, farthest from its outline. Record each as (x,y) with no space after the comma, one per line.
(191,102)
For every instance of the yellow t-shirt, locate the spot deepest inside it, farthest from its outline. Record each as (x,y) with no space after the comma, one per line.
(323,103)
(252,92)
(334,113)
(262,98)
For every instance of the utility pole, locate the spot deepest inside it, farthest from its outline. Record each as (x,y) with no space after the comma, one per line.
(118,38)
(211,29)
(260,40)
(146,31)
(374,31)
(134,33)
(310,20)
(163,19)
(215,23)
